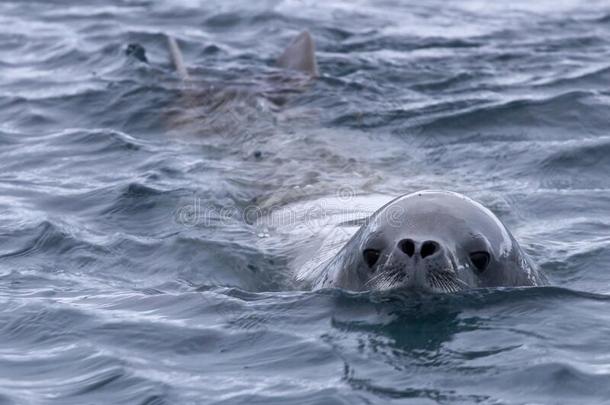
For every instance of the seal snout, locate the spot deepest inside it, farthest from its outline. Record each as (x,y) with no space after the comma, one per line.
(426,249)
(426,264)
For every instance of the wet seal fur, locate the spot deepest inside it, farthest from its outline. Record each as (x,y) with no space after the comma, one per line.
(434,241)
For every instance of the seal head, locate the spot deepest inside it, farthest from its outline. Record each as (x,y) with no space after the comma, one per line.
(435,241)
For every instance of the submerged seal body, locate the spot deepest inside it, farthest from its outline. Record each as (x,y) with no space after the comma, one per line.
(436,241)
(247,105)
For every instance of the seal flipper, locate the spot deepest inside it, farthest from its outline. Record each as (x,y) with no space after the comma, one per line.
(300,55)
(177,59)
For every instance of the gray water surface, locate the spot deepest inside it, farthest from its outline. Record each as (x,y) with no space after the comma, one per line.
(130,274)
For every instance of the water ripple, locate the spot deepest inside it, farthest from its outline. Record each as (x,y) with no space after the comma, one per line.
(129,272)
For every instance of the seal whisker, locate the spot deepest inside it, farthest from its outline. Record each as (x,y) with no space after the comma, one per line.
(445,281)
(434,279)
(453,279)
(455,283)
(384,279)
(449,286)
(374,279)
(445,285)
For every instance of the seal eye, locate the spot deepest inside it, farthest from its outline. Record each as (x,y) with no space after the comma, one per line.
(480,260)
(371,256)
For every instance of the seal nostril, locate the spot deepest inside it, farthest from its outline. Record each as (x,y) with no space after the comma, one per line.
(407,246)
(428,249)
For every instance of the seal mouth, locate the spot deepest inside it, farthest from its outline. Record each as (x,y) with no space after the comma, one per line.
(445,281)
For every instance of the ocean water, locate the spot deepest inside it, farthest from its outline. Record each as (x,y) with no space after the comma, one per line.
(131,271)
